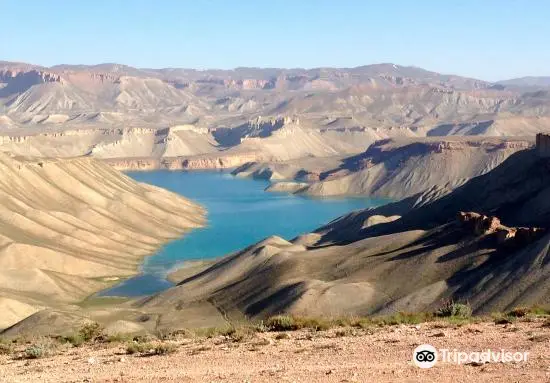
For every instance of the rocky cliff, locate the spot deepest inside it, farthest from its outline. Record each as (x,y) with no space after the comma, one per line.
(400,168)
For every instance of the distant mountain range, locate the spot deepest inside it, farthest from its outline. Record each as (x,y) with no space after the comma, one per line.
(530,81)
(118,111)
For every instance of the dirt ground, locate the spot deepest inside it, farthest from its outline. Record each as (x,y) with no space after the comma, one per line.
(336,355)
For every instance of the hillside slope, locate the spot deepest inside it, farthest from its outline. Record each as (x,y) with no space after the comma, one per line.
(413,261)
(400,168)
(72,227)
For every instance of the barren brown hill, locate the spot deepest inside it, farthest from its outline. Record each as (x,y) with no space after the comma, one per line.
(183,118)
(411,255)
(72,227)
(394,168)
(369,262)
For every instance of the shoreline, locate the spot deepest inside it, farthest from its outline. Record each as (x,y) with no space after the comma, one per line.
(158,278)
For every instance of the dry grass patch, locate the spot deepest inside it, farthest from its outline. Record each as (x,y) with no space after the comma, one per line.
(293,323)
(6,347)
(454,309)
(151,348)
(540,310)
(41,348)
(519,312)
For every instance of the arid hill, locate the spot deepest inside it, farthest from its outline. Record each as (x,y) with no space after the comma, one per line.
(485,242)
(181,118)
(72,227)
(394,168)
(408,256)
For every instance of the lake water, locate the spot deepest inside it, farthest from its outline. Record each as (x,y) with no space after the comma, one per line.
(240,213)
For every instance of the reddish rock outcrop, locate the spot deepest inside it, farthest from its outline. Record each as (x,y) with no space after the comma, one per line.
(480,224)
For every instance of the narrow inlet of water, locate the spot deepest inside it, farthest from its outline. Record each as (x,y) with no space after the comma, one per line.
(239,213)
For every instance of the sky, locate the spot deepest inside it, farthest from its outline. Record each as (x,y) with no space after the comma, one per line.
(486,39)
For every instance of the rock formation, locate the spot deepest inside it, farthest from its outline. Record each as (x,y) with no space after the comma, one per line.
(320,112)
(480,225)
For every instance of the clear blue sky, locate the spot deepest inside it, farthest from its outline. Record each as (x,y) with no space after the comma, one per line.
(487,39)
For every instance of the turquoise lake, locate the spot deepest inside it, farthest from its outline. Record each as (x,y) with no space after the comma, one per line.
(240,213)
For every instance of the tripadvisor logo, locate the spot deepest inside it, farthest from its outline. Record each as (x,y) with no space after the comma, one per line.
(426,356)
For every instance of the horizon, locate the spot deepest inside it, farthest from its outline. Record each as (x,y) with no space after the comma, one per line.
(268,68)
(490,40)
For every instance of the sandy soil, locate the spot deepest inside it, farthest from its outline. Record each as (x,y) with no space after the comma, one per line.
(381,355)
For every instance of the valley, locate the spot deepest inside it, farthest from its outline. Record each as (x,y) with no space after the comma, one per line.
(322,193)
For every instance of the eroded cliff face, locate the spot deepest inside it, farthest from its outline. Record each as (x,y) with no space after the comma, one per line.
(217,119)
(398,169)
(135,164)
(182,163)
(27,77)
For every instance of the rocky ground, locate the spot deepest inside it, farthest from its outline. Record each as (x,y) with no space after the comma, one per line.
(381,354)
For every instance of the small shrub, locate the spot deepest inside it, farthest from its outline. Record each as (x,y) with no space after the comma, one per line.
(348,321)
(150,348)
(500,318)
(261,327)
(291,323)
(118,338)
(316,324)
(165,348)
(363,323)
(281,323)
(87,333)
(90,331)
(139,348)
(519,312)
(461,321)
(453,309)
(546,323)
(41,348)
(75,339)
(35,352)
(165,334)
